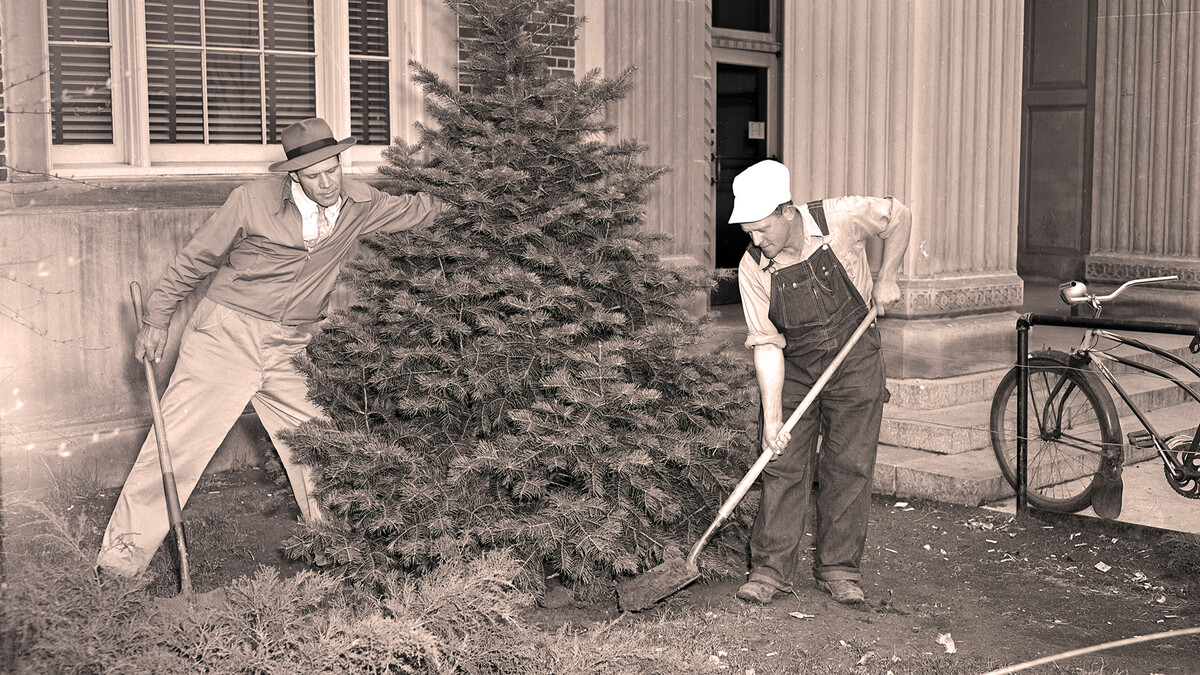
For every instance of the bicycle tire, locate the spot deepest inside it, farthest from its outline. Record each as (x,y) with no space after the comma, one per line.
(1067,440)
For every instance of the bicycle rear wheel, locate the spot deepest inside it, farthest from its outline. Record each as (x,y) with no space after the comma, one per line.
(1071,419)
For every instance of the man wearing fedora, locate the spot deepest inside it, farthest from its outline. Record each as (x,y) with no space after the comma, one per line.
(806,286)
(273,251)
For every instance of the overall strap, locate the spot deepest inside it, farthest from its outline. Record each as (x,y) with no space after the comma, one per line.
(755,252)
(817,209)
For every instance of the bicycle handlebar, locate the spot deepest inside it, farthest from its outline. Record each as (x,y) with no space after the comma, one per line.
(1076,292)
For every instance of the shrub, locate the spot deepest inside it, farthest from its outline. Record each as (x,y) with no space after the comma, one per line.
(524,375)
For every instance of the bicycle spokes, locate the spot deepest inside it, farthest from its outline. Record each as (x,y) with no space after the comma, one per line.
(1070,429)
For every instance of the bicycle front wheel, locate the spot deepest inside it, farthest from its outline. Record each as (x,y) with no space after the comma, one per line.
(1070,421)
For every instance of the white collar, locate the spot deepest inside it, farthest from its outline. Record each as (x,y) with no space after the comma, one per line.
(308,207)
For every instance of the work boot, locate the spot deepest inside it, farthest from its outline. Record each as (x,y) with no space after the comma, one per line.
(844,591)
(758,591)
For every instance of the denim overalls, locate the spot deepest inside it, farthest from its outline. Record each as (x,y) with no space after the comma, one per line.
(816,307)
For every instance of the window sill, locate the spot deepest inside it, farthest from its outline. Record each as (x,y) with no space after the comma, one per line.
(185,169)
(121,191)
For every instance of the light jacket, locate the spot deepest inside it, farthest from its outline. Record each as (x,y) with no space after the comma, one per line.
(254,248)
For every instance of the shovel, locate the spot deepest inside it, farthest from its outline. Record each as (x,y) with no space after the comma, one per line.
(671,576)
(174,510)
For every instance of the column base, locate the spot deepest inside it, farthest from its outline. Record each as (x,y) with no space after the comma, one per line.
(958,295)
(948,347)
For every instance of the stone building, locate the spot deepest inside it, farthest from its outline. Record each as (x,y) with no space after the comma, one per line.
(1035,141)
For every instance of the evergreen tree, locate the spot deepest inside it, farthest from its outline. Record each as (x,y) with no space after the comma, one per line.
(524,374)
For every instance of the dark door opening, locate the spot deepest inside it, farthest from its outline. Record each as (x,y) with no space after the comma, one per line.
(741,140)
(1054,227)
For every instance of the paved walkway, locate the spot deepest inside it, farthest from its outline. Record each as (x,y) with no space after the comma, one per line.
(1148,501)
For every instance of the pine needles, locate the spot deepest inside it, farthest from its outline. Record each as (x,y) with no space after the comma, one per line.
(524,374)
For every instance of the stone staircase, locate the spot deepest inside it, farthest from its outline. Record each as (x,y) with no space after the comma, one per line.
(935,443)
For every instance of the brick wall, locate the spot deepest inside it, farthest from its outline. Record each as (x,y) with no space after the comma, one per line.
(3,137)
(561,58)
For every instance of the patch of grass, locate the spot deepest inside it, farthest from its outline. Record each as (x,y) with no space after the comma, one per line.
(1182,552)
(58,616)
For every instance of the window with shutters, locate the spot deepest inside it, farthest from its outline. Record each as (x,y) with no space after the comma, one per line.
(81,109)
(229,71)
(215,81)
(369,71)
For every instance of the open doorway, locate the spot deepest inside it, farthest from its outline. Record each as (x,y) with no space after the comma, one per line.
(746,52)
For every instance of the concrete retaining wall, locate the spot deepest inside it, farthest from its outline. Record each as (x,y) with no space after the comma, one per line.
(72,399)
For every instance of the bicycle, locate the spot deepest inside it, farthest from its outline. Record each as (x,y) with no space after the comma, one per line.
(1075,447)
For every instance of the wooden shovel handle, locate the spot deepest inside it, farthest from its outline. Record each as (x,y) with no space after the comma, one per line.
(174,508)
(743,486)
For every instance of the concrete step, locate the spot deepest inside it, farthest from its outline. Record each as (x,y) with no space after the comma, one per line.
(936,393)
(962,427)
(945,392)
(970,478)
(1167,421)
(1150,392)
(1140,356)
(973,477)
(944,431)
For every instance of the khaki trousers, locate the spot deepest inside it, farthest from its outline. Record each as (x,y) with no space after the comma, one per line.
(226,358)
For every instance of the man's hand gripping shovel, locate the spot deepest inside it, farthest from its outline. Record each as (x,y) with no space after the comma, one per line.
(655,584)
(174,510)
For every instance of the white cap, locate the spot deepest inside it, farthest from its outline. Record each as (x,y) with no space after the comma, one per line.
(758,190)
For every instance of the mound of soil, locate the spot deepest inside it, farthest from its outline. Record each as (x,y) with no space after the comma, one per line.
(1002,589)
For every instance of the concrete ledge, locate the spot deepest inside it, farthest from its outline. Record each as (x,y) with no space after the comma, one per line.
(153,193)
(100,455)
(943,348)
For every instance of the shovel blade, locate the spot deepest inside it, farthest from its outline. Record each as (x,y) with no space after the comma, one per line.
(641,592)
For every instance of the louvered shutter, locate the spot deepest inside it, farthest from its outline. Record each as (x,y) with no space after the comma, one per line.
(174,71)
(369,72)
(80,72)
(229,71)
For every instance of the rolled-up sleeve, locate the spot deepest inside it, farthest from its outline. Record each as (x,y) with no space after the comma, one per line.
(755,286)
(868,216)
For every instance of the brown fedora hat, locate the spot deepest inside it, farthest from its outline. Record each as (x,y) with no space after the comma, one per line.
(307,142)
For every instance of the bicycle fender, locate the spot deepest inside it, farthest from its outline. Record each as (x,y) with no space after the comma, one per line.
(1108,488)
(1083,365)
(1088,371)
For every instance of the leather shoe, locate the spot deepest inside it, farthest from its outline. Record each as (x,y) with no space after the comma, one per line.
(844,591)
(758,591)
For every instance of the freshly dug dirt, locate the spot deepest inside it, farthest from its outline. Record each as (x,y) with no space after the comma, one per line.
(1003,589)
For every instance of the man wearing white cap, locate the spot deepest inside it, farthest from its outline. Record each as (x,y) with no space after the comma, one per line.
(273,251)
(805,284)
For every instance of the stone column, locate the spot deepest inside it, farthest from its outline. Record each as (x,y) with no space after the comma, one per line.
(670,107)
(920,99)
(1146,176)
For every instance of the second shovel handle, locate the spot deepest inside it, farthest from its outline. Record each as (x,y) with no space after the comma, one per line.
(174,508)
